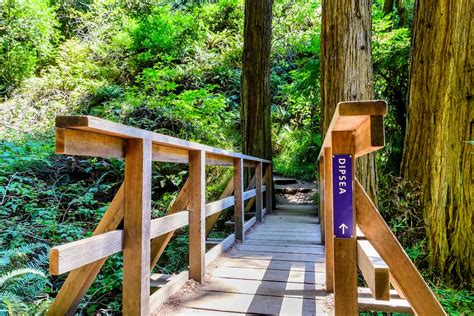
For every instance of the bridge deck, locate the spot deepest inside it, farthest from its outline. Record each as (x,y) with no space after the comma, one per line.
(279,269)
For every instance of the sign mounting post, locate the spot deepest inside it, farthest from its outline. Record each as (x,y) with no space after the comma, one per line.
(343,198)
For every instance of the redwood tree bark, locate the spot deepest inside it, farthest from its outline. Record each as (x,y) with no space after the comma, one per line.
(346,68)
(440,124)
(255,83)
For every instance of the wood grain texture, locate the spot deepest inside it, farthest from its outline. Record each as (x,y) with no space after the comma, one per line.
(197,219)
(78,253)
(374,269)
(258,188)
(239,199)
(327,197)
(168,223)
(137,217)
(104,127)
(345,251)
(402,269)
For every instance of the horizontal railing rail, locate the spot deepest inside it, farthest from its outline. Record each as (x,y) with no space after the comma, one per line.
(354,233)
(143,239)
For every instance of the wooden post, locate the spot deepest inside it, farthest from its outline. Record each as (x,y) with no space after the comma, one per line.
(137,217)
(345,248)
(258,187)
(269,186)
(238,195)
(329,242)
(321,213)
(197,215)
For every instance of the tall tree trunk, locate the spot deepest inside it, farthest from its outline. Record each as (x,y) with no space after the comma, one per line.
(387,6)
(440,122)
(346,70)
(255,85)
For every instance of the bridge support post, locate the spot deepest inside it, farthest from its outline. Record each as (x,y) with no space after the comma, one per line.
(321,212)
(239,199)
(343,210)
(197,215)
(268,192)
(137,218)
(258,196)
(327,198)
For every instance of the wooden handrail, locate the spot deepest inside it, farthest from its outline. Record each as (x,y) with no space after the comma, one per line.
(143,240)
(355,130)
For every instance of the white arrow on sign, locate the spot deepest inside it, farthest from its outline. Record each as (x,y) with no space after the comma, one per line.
(343,227)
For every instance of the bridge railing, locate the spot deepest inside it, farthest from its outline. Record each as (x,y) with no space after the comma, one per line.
(127,224)
(354,232)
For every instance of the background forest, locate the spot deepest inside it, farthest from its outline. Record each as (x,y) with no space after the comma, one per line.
(172,67)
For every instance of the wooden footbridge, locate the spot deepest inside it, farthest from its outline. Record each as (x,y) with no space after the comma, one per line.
(289,260)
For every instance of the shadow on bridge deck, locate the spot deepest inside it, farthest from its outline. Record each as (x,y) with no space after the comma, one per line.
(278,269)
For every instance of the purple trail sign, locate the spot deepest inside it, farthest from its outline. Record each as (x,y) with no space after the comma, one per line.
(343,209)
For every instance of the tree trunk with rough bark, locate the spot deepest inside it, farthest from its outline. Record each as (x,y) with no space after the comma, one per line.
(440,124)
(346,68)
(255,85)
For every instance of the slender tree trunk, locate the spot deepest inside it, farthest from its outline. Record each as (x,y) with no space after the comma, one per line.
(387,6)
(346,67)
(255,86)
(440,122)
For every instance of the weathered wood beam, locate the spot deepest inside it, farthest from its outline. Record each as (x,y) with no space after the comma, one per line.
(219,205)
(239,199)
(197,218)
(171,287)
(374,269)
(76,254)
(137,218)
(370,136)
(402,269)
(104,127)
(258,188)
(350,115)
(249,194)
(328,221)
(168,223)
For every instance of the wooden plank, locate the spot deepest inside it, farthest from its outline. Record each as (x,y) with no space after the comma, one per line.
(345,250)
(100,126)
(269,189)
(283,249)
(282,243)
(370,136)
(268,275)
(168,223)
(374,269)
(258,188)
(74,142)
(239,199)
(392,306)
(83,143)
(348,116)
(345,277)
(253,304)
(137,216)
(270,288)
(321,210)
(219,249)
(328,221)
(248,224)
(260,255)
(225,261)
(402,269)
(218,206)
(79,280)
(249,194)
(211,220)
(78,253)
(197,215)
(175,283)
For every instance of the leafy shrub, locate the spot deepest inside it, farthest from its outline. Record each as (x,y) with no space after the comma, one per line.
(27,38)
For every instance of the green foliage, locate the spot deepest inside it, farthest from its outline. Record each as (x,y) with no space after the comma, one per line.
(27,38)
